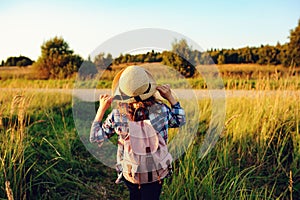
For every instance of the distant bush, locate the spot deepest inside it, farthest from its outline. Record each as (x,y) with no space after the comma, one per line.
(57,60)
(179,63)
(87,70)
(103,62)
(20,61)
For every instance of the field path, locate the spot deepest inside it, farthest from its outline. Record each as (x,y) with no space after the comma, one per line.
(93,94)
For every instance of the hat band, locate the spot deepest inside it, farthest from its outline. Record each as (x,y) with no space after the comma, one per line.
(148,89)
(136,98)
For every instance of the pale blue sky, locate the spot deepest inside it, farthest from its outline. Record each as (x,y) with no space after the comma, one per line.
(85,24)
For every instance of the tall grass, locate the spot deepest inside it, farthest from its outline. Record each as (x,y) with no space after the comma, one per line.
(13,145)
(42,156)
(257,156)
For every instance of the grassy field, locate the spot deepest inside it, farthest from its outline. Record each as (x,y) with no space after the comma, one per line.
(256,157)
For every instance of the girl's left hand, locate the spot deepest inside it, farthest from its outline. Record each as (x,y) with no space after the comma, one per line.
(105,101)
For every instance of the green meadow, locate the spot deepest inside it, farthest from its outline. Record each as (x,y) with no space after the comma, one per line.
(257,155)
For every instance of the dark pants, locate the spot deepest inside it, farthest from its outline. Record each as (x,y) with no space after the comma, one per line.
(149,191)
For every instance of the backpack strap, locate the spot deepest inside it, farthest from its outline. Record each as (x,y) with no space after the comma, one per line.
(139,175)
(150,161)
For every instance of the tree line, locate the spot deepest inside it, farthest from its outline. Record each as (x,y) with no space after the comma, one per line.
(20,61)
(57,60)
(264,55)
(287,54)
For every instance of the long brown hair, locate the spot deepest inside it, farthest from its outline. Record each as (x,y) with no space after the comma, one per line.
(137,111)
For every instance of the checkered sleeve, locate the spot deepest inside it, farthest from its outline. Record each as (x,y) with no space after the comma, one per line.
(176,116)
(101,131)
(163,117)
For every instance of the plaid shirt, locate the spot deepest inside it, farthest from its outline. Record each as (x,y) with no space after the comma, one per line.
(161,117)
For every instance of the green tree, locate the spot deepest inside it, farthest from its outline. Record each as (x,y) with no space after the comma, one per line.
(103,62)
(293,51)
(182,58)
(233,56)
(140,57)
(268,55)
(221,59)
(20,61)
(182,48)
(197,57)
(245,55)
(117,60)
(178,63)
(206,59)
(150,56)
(214,54)
(57,60)
(87,70)
(283,55)
(125,58)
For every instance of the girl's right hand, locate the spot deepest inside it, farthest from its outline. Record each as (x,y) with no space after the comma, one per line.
(165,92)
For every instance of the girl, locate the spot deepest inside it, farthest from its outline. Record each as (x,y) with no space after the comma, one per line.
(134,88)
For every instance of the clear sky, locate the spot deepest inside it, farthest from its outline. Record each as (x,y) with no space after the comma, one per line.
(85,24)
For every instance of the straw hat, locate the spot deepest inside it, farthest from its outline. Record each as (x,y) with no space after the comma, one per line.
(132,84)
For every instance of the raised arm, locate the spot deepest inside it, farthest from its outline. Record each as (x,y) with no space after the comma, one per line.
(105,102)
(165,92)
(99,132)
(176,116)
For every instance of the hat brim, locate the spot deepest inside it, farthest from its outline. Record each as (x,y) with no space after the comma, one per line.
(119,96)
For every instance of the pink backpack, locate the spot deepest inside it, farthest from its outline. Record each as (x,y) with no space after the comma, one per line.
(146,157)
